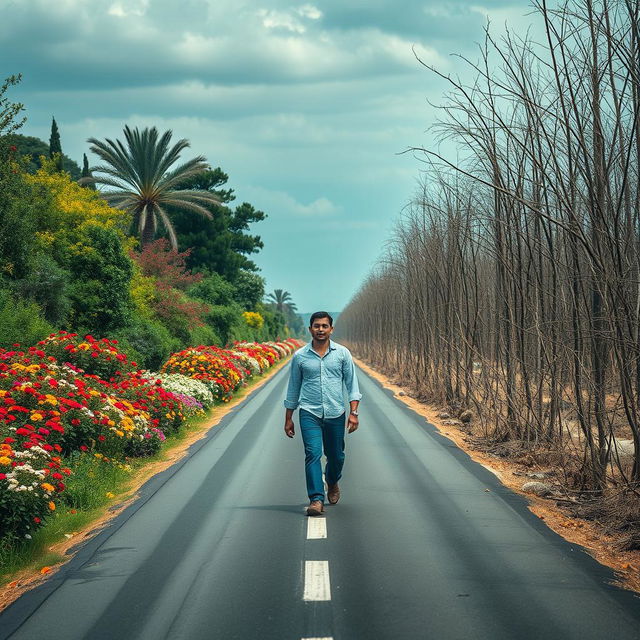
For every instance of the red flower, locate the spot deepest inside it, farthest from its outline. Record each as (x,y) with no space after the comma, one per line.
(3,476)
(37,520)
(83,447)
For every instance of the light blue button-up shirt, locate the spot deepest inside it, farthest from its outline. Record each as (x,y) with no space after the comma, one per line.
(316,383)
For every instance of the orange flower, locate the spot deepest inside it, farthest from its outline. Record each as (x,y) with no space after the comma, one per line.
(48,487)
(45,570)
(52,506)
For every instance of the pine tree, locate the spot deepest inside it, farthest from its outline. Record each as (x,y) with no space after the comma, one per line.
(86,172)
(55,147)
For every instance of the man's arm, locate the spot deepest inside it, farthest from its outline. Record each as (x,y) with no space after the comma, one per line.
(289,427)
(293,395)
(353,390)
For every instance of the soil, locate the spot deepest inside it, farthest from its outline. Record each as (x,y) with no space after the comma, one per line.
(586,533)
(28,579)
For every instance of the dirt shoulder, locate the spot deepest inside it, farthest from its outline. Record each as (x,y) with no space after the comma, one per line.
(29,578)
(585,533)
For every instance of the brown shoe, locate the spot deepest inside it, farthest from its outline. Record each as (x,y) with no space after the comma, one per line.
(315,508)
(333,493)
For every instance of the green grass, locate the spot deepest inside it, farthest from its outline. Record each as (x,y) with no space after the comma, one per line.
(93,485)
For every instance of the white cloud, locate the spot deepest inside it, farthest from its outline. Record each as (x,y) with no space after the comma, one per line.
(309,11)
(281,20)
(283,204)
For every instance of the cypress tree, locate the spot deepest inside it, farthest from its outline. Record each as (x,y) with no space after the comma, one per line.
(54,146)
(86,172)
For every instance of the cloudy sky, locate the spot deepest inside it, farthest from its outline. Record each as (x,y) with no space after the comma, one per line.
(306,105)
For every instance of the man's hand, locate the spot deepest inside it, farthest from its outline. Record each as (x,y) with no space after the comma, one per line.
(289,427)
(352,423)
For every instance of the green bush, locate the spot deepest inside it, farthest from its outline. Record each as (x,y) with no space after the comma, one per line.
(214,290)
(147,342)
(100,290)
(21,321)
(203,335)
(46,284)
(222,319)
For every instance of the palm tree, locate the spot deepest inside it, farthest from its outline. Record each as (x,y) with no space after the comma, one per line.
(280,299)
(143,182)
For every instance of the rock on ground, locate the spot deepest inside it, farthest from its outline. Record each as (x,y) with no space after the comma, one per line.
(537,488)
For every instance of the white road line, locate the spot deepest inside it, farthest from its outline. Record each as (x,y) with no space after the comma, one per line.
(325,638)
(316,528)
(316,581)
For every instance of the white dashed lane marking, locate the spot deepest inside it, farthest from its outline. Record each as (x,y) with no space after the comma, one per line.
(316,528)
(316,581)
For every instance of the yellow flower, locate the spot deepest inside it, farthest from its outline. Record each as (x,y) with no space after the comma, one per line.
(5,460)
(52,399)
(84,346)
(47,487)
(110,495)
(36,417)
(119,433)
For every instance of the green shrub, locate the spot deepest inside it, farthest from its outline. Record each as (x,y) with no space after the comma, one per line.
(21,321)
(148,342)
(203,335)
(100,290)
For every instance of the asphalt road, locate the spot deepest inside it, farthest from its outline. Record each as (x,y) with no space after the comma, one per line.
(218,547)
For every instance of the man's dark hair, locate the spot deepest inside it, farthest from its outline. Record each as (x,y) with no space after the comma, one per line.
(318,315)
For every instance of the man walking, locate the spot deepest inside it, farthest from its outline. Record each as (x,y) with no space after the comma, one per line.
(319,372)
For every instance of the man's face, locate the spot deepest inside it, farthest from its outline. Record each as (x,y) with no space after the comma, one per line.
(320,329)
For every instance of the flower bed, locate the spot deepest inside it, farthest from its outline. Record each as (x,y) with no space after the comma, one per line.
(69,395)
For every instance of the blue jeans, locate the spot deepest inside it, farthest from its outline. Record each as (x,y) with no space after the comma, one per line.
(316,434)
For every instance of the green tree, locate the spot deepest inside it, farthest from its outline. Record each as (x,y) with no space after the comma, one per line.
(143,182)
(33,149)
(86,172)
(280,298)
(18,217)
(222,243)
(9,110)
(55,148)
(249,289)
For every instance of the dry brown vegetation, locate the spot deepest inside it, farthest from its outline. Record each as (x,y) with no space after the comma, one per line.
(511,286)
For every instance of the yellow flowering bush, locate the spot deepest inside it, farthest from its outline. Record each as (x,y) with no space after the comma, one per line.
(253,319)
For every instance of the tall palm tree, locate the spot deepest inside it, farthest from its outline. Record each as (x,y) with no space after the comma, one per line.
(141,180)
(280,299)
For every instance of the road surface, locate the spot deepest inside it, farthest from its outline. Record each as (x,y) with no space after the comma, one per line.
(218,546)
